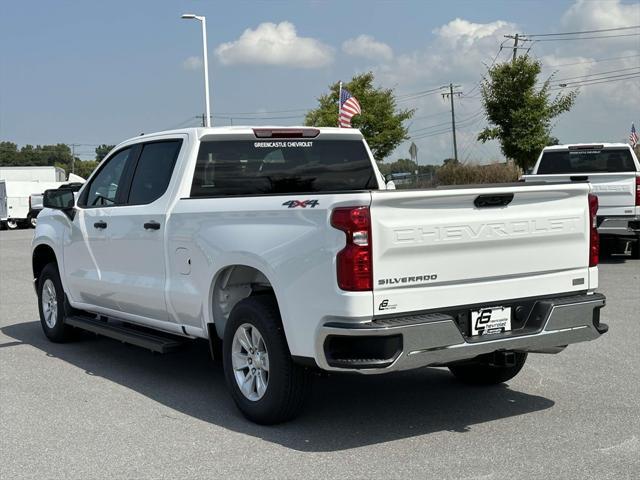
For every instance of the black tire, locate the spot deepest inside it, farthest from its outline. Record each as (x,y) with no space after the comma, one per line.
(288,382)
(53,325)
(635,249)
(482,372)
(11,224)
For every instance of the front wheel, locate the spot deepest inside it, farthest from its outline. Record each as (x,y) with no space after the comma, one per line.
(52,305)
(266,385)
(483,371)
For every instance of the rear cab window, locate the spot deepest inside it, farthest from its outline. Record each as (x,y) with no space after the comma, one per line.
(281,166)
(586,160)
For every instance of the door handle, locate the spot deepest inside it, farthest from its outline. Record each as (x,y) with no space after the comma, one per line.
(101,224)
(152,226)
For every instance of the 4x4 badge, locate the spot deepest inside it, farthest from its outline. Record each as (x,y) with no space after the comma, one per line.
(301,203)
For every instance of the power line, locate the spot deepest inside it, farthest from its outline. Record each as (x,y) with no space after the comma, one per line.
(591,61)
(586,38)
(582,32)
(596,74)
(265,112)
(432,134)
(595,81)
(601,78)
(421,117)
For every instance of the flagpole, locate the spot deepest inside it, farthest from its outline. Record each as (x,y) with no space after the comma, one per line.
(339,103)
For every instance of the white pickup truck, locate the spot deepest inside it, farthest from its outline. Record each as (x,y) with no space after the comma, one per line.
(613,171)
(284,250)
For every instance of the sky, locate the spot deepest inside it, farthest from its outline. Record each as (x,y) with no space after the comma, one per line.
(90,72)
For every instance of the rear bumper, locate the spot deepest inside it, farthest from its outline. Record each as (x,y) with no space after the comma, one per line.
(625,225)
(420,340)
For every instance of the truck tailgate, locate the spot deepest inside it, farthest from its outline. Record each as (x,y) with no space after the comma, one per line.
(616,191)
(437,248)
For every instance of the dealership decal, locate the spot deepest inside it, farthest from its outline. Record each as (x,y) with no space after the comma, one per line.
(283,144)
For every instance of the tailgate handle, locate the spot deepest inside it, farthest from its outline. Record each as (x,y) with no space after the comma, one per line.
(581,178)
(500,200)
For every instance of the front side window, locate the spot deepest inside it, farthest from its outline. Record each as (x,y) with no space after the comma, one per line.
(258,167)
(104,188)
(153,171)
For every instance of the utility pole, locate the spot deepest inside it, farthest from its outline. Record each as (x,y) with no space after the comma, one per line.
(517,38)
(450,95)
(73,156)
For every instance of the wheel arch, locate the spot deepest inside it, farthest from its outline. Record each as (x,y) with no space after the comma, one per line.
(231,284)
(43,254)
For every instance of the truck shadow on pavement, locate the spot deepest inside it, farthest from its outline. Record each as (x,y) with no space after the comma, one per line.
(344,411)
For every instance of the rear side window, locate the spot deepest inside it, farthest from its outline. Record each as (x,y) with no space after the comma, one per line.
(153,171)
(254,167)
(613,160)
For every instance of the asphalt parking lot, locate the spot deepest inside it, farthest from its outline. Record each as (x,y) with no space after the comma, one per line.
(101,409)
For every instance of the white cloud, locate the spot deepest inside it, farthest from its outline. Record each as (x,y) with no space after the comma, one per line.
(458,52)
(461,31)
(275,44)
(192,63)
(585,15)
(368,47)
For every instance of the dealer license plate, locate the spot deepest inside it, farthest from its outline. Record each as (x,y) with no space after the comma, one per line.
(488,321)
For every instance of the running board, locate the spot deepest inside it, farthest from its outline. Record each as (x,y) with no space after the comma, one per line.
(157,341)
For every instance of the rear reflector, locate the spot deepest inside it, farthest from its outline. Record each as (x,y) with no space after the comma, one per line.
(353,263)
(594,237)
(637,191)
(286,132)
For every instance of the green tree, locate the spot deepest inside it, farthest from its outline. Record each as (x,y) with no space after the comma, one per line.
(520,114)
(84,168)
(9,154)
(102,150)
(380,122)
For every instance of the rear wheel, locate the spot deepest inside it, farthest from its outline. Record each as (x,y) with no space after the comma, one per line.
(484,370)
(12,224)
(635,249)
(264,382)
(52,306)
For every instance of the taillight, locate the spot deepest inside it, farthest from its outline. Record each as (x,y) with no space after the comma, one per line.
(354,268)
(594,237)
(637,191)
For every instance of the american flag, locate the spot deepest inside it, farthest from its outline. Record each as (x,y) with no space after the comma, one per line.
(633,137)
(349,107)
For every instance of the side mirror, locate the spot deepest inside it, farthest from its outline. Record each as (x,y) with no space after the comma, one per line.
(60,199)
(390,184)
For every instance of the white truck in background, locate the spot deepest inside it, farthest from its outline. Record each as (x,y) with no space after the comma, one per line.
(613,170)
(22,189)
(283,248)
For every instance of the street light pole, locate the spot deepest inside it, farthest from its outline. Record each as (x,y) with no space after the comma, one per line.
(203,22)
